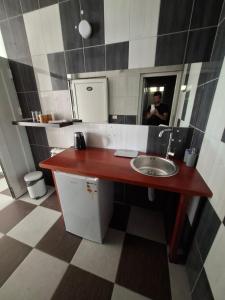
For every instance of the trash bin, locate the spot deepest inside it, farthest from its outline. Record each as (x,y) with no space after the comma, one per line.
(35,184)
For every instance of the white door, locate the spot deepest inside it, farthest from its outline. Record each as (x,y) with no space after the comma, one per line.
(91,96)
(15,152)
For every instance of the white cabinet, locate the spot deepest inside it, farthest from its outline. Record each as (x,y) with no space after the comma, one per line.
(87,204)
(90,99)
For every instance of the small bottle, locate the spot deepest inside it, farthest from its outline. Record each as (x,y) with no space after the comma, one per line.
(36,116)
(33,116)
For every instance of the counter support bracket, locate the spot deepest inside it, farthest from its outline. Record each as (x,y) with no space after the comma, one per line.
(178,227)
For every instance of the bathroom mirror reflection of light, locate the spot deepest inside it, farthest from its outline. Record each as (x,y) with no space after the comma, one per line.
(147,96)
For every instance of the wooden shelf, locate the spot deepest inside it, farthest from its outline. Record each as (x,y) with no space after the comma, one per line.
(29,123)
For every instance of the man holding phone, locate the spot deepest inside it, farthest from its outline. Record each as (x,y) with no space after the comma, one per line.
(158,112)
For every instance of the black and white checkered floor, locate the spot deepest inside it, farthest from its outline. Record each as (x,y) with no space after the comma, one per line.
(40,260)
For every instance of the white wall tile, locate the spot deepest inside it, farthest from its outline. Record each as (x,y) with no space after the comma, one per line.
(51,28)
(116,14)
(192,87)
(42,73)
(216,121)
(211,165)
(144,16)
(215,265)
(57,102)
(2,46)
(32,21)
(110,136)
(142,53)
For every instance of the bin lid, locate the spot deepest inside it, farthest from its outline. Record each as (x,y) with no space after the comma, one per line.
(33,176)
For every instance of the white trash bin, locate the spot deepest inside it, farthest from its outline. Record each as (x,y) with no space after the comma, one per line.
(35,184)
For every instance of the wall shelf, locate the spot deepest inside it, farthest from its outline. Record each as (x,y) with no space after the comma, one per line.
(29,123)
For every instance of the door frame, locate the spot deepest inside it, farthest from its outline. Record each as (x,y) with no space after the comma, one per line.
(162,72)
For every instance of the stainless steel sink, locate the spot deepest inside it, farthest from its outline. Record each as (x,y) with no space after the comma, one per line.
(154,166)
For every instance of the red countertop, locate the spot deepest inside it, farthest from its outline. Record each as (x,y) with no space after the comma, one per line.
(101,163)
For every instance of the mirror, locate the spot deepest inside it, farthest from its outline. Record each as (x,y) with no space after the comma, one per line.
(147,96)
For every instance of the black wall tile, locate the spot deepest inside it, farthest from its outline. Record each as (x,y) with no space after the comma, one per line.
(37,136)
(94,59)
(17,79)
(13,8)
(94,13)
(70,17)
(120,216)
(23,75)
(178,122)
(202,105)
(223,137)
(207,229)
(29,101)
(200,43)
(181,140)
(222,16)
(170,49)
(174,16)
(2,10)
(33,101)
(206,13)
(210,70)
(197,140)
(117,56)
(181,136)
(74,61)
(44,3)
(219,46)
(123,119)
(194,264)
(185,105)
(29,5)
(202,289)
(41,153)
(129,119)
(57,70)
(119,120)
(23,105)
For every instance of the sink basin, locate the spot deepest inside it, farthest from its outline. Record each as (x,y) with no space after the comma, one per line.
(154,166)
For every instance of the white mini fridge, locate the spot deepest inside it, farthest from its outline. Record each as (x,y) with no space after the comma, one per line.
(87,204)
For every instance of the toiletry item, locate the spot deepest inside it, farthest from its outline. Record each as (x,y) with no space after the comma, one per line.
(79,141)
(186,153)
(49,117)
(190,157)
(33,116)
(36,116)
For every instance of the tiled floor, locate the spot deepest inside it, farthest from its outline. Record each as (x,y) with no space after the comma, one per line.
(40,260)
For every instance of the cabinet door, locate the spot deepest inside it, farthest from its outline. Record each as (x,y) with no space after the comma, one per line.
(91,96)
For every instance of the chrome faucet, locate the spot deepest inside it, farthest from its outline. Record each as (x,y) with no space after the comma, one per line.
(168,151)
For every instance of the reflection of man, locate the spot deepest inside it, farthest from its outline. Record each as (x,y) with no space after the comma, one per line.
(158,112)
